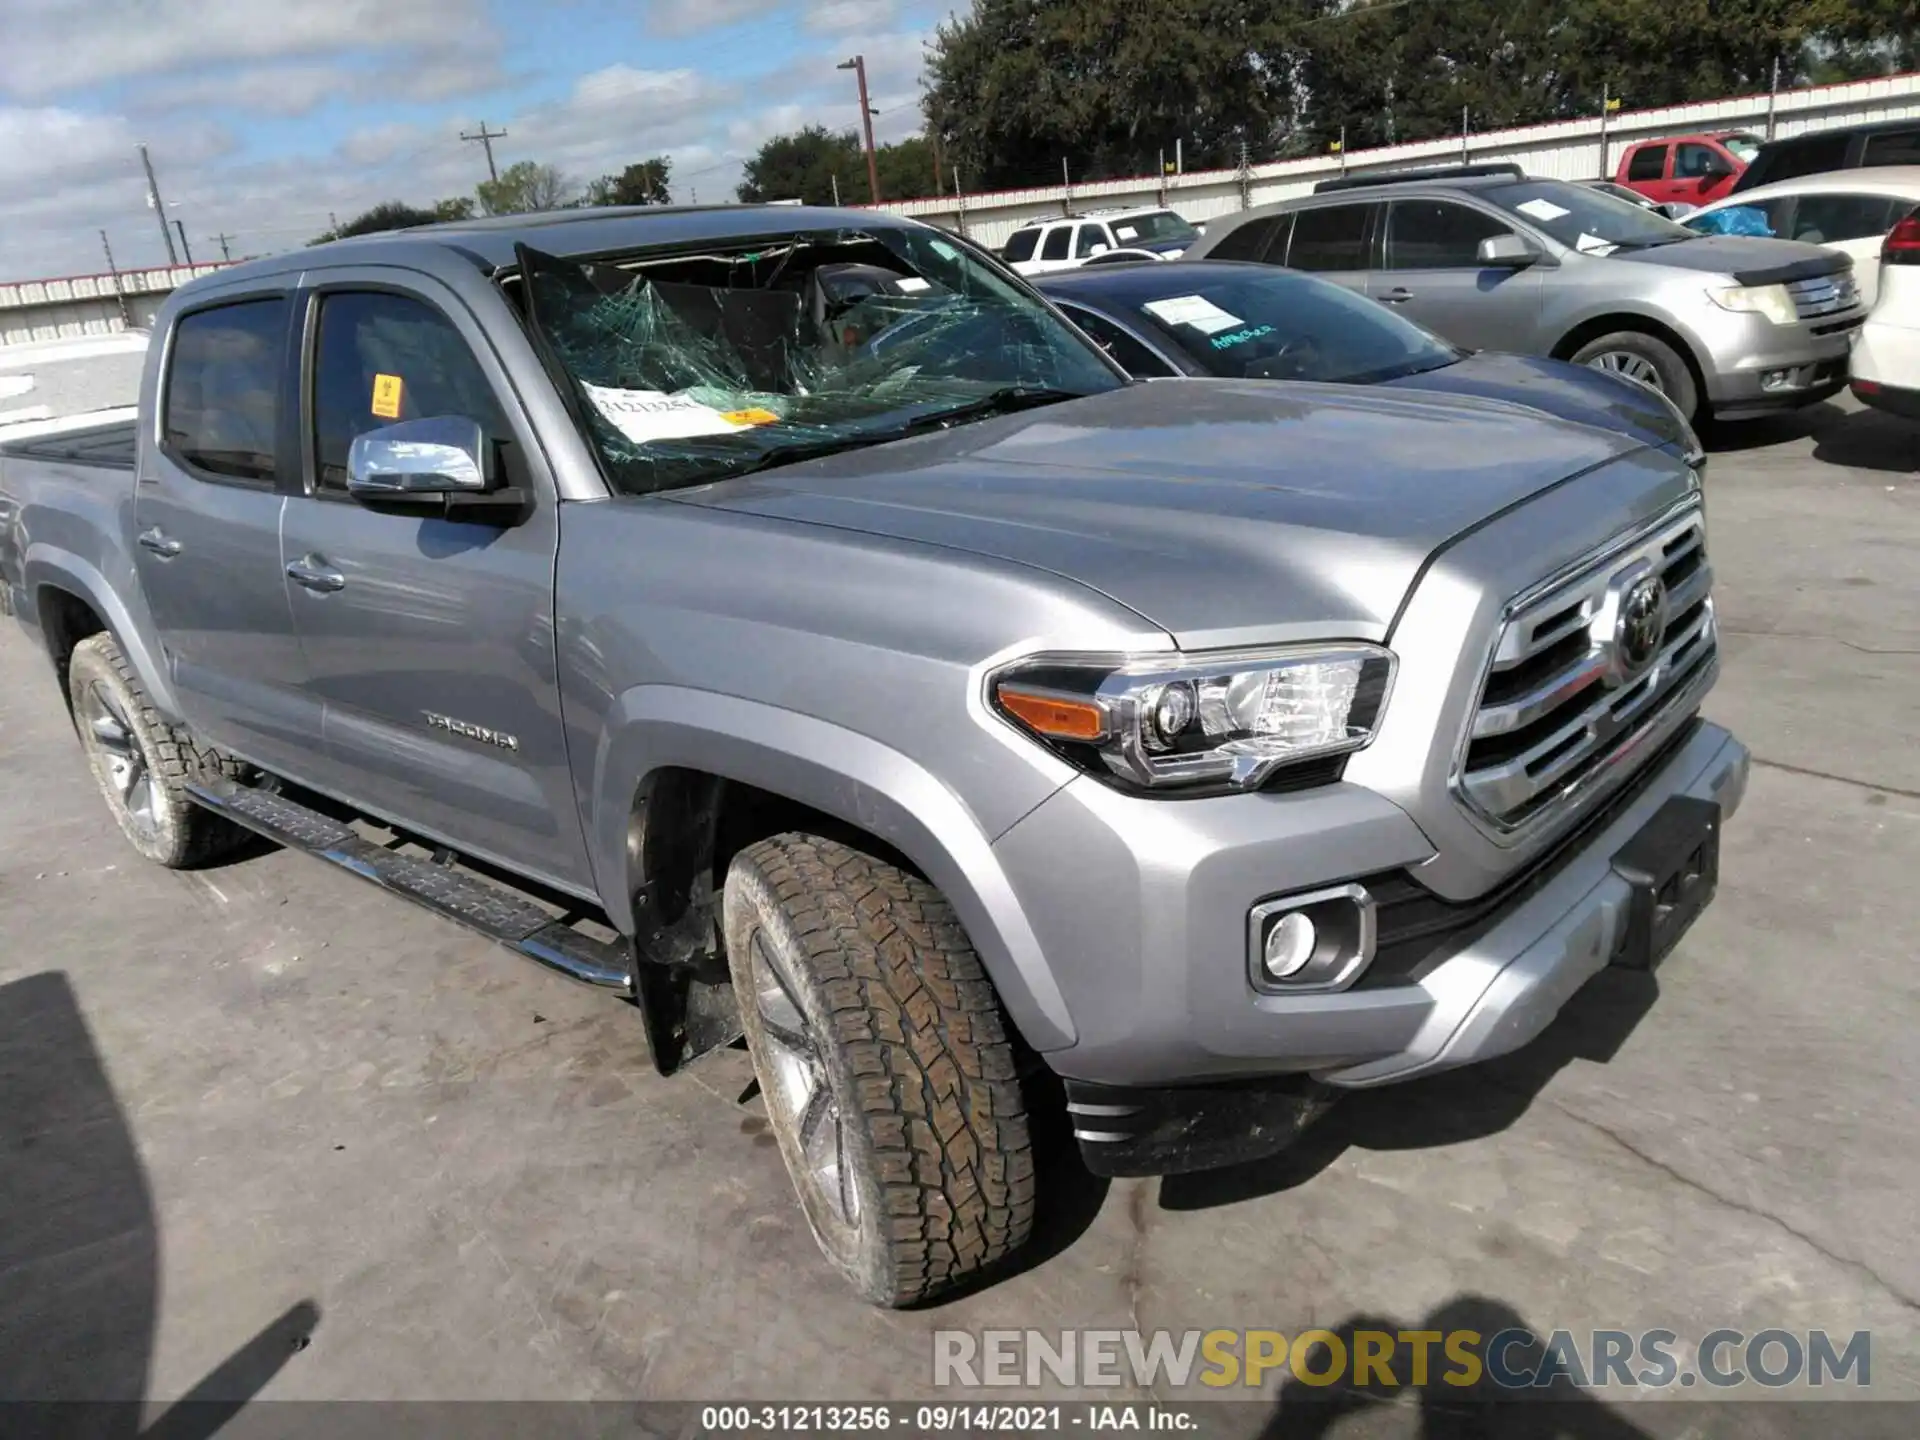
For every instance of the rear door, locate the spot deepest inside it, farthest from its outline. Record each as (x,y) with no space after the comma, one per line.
(1646,171)
(1334,242)
(429,642)
(1701,172)
(1432,275)
(1854,224)
(207,512)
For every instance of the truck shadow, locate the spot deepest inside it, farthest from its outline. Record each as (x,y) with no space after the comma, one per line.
(1447,1109)
(80,1247)
(1440,1403)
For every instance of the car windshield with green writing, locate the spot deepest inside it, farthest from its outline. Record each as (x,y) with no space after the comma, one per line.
(1271,324)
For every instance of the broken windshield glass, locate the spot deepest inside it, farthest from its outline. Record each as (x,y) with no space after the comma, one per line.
(689,368)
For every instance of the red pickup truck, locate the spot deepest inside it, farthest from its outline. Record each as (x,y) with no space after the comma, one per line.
(1690,169)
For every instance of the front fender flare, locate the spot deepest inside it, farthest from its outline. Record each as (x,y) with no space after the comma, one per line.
(849,776)
(47,567)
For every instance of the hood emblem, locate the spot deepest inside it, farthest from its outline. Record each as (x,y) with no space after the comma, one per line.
(1642,625)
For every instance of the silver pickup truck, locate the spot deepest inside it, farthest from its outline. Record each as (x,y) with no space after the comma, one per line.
(874,672)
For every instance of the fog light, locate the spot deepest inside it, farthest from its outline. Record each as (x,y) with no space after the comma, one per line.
(1320,940)
(1776,379)
(1290,944)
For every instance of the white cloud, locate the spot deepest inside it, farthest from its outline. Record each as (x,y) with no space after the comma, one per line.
(380,144)
(840,16)
(55,45)
(685,17)
(267,89)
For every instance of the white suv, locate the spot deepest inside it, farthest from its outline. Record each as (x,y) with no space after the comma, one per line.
(1886,357)
(1075,239)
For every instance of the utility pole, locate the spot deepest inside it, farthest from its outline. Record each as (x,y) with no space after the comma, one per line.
(118,294)
(1608,104)
(185,249)
(223,238)
(858,64)
(153,200)
(959,202)
(1773,96)
(939,180)
(1463,134)
(1066,180)
(486,138)
(1245,176)
(835,177)
(1343,150)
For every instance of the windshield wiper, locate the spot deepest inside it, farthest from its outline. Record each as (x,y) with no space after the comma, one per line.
(1004,401)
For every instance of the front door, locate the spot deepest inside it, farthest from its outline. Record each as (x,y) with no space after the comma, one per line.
(1334,242)
(430,642)
(207,524)
(1432,275)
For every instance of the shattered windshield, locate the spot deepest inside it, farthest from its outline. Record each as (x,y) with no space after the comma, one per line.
(690,368)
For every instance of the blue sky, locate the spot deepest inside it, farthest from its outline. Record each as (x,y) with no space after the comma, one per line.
(266,116)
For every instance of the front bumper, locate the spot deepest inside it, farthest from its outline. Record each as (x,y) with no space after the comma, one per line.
(1755,367)
(1145,904)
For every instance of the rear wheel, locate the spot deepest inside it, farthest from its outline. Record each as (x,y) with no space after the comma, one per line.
(1647,360)
(142,763)
(885,1066)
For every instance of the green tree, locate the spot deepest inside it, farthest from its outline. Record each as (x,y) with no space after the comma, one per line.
(646,182)
(805,165)
(906,169)
(398,215)
(522,188)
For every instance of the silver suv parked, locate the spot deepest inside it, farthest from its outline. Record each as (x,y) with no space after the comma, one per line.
(1492,259)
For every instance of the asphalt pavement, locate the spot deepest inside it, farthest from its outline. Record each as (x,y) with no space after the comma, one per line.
(265,1130)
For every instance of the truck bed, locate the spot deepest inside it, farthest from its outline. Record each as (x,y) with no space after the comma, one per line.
(108,447)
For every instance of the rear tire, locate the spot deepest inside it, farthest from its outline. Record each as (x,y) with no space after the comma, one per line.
(1647,359)
(142,764)
(885,1065)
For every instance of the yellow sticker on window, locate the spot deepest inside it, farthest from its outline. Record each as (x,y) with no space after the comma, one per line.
(388,390)
(749,417)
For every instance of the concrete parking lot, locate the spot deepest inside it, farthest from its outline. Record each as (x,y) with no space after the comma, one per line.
(262,1117)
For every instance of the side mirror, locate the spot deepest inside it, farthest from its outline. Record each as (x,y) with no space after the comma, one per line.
(1507,252)
(445,455)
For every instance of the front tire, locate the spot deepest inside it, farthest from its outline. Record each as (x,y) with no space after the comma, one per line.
(885,1065)
(1647,359)
(141,763)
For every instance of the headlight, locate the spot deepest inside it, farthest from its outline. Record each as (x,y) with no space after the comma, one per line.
(1227,719)
(1772,301)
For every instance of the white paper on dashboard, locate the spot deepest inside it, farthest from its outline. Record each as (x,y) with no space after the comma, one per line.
(1195,310)
(1542,209)
(646,415)
(1594,245)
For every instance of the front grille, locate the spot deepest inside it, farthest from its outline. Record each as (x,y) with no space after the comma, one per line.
(1824,294)
(1563,704)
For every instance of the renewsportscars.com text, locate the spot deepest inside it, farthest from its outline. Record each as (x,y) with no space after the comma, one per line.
(1511,1359)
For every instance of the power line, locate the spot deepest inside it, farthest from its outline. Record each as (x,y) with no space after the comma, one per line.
(486,138)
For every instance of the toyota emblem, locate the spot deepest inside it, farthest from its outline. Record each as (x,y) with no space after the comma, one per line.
(1642,624)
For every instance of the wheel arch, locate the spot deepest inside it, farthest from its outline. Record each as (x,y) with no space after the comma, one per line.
(1612,321)
(70,600)
(684,778)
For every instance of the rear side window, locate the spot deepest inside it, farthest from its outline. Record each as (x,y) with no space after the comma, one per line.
(1093,238)
(1808,155)
(1333,237)
(1894,147)
(1649,163)
(1057,240)
(1829,219)
(1253,240)
(223,381)
(1020,247)
(385,358)
(1437,235)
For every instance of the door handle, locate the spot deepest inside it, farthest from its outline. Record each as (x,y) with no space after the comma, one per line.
(159,542)
(315,574)
(1399,295)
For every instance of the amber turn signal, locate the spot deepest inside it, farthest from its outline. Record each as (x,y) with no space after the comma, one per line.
(1057,717)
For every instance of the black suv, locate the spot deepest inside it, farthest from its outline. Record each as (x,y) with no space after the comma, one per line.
(1891,142)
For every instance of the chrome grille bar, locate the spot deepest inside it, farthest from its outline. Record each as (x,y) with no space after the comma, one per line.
(1560,700)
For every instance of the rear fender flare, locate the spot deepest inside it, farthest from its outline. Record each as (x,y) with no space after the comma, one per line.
(851,777)
(46,567)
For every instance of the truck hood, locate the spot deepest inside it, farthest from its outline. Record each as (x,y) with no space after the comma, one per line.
(1749,259)
(1224,512)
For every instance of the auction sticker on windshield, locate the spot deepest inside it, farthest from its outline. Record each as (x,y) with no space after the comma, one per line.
(1542,209)
(1195,310)
(647,415)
